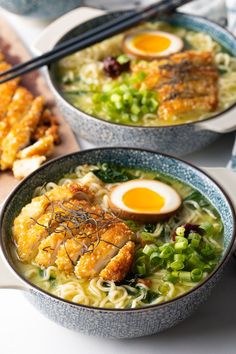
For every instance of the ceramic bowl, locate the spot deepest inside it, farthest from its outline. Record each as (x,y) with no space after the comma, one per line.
(115,323)
(177,139)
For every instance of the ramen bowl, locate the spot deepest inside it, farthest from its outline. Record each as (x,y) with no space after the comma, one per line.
(174,139)
(115,323)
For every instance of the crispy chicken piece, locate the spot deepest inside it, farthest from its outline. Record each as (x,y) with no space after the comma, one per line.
(181,106)
(187,88)
(177,68)
(6,90)
(4,129)
(28,243)
(185,82)
(48,125)
(49,247)
(18,107)
(22,168)
(38,205)
(174,74)
(69,253)
(53,130)
(43,147)
(120,265)
(19,135)
(112,240)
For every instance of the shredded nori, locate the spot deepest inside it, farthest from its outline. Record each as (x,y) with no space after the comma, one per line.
(85,227)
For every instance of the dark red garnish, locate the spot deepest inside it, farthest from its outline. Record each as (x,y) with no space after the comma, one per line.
(192,228)
(113,68)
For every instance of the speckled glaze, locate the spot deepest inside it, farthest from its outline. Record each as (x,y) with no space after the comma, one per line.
(131,322)
(175,140)
(43,9)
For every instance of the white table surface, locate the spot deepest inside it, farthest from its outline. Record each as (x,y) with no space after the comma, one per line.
(212,329)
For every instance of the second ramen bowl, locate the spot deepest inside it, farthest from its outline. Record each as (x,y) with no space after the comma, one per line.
(176,139)
(114,323)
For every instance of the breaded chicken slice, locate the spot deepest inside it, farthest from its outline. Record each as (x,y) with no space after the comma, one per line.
(28,243)
(185,83)
(7,90)
(49,222)
(181,106)
(174,74)
(19,106)
(70,251)
(86,235)
(48,125)
(119,266)
(191,88)
(47,251)
(111,241)
(43,147)
(38,206)
(186,66)
(22,168)
(4,129)
(19,135)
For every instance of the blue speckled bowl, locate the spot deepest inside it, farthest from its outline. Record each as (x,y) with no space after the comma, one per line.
(118,323)
(43,9)
(176,140)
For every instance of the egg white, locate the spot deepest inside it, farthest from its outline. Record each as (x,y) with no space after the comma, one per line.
(172,200)
(175,46)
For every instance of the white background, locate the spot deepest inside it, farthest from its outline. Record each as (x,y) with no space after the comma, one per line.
(211,330)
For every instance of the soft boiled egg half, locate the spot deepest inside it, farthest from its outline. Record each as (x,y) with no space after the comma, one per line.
(144,200)
(151,44)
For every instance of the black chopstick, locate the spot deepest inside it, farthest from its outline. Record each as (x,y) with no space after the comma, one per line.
(88,33)
(93,36)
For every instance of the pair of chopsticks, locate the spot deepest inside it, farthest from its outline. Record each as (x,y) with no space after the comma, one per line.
(93,36)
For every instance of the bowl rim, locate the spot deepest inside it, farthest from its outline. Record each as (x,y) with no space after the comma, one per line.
(223,261)
(199,18)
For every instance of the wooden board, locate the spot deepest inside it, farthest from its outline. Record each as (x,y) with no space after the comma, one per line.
(15,51)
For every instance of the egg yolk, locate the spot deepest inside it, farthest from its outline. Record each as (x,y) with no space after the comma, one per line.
(143,200)
(151,43)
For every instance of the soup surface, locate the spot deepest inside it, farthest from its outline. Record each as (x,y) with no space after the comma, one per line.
(72,242)
(154,75)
